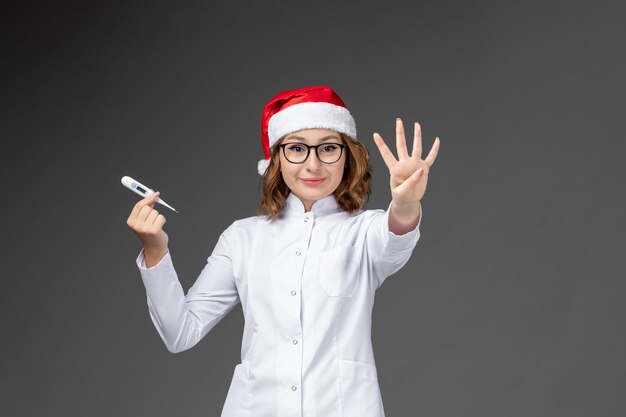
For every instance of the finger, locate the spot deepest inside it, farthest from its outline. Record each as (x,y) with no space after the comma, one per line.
(137,207)
(143,202)
(153,198)
(160,221)
(152,217)
(401,140)
(410,182)
(417,142)
(432,155)
(388,157)
(143,214)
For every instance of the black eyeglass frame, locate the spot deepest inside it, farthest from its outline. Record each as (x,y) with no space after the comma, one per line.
(308,151)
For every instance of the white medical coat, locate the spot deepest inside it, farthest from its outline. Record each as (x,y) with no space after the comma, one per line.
(306,284)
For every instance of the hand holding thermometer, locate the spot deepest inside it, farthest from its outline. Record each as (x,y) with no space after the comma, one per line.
(142,190)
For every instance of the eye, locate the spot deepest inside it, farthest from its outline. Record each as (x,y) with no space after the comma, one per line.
(331,147)
(296,147)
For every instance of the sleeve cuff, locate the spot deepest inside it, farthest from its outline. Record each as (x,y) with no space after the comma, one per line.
(141,261)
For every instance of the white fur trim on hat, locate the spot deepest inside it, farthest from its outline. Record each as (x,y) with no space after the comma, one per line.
(311,115)
(262,166)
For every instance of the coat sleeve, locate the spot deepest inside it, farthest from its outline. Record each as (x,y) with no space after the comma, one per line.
(182,320)
(388,251)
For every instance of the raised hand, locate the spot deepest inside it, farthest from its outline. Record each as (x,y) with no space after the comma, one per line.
(147,223)
(408,173)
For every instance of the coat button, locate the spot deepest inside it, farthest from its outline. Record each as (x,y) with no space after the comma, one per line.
(293,292)
(293,388)
(306,219)
(295,342)
(298,253)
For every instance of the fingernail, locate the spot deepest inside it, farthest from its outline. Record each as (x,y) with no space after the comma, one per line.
(397,119)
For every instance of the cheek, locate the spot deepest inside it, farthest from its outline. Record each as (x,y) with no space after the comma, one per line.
(284,169)
(284,175)
(288,173)
(338,175)
(281,167)
(342,170)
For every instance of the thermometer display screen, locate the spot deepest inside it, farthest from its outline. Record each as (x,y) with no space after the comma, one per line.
(141,189)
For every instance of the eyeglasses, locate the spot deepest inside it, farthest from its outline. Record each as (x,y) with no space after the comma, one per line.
(327,152)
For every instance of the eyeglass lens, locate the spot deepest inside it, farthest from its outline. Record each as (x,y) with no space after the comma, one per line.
(326,152)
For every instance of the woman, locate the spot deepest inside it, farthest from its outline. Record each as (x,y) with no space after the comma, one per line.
(305,269)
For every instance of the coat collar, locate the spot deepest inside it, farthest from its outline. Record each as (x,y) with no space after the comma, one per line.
(326,205)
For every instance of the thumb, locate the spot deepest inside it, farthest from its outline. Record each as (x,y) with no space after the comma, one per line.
(153,198)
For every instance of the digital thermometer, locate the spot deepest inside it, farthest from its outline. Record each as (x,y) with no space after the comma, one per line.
(142,190)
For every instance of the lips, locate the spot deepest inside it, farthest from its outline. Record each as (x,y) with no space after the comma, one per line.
(312,181)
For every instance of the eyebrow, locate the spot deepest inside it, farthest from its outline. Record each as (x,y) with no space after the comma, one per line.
(325,138)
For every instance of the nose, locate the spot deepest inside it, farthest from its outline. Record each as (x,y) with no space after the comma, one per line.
(313,163)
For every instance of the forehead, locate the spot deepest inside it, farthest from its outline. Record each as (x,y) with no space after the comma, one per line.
(313,135)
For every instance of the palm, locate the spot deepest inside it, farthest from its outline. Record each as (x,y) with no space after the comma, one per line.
(407,184)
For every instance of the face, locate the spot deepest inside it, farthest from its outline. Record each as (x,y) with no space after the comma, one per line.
(312,179)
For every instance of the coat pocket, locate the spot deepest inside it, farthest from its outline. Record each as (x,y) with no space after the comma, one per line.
(339,270)
(237,400)
(360,394)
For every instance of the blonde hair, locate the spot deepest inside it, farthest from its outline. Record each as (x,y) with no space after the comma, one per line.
(351,194)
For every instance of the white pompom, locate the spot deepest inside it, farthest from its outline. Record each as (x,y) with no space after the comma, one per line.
(262,166)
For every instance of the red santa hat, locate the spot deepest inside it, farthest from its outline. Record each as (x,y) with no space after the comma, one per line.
(317,107)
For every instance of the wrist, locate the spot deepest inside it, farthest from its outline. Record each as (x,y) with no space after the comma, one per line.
(406,209)
(153,255)
(404,218)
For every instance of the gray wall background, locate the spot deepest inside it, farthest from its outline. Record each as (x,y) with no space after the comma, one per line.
(513,302)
